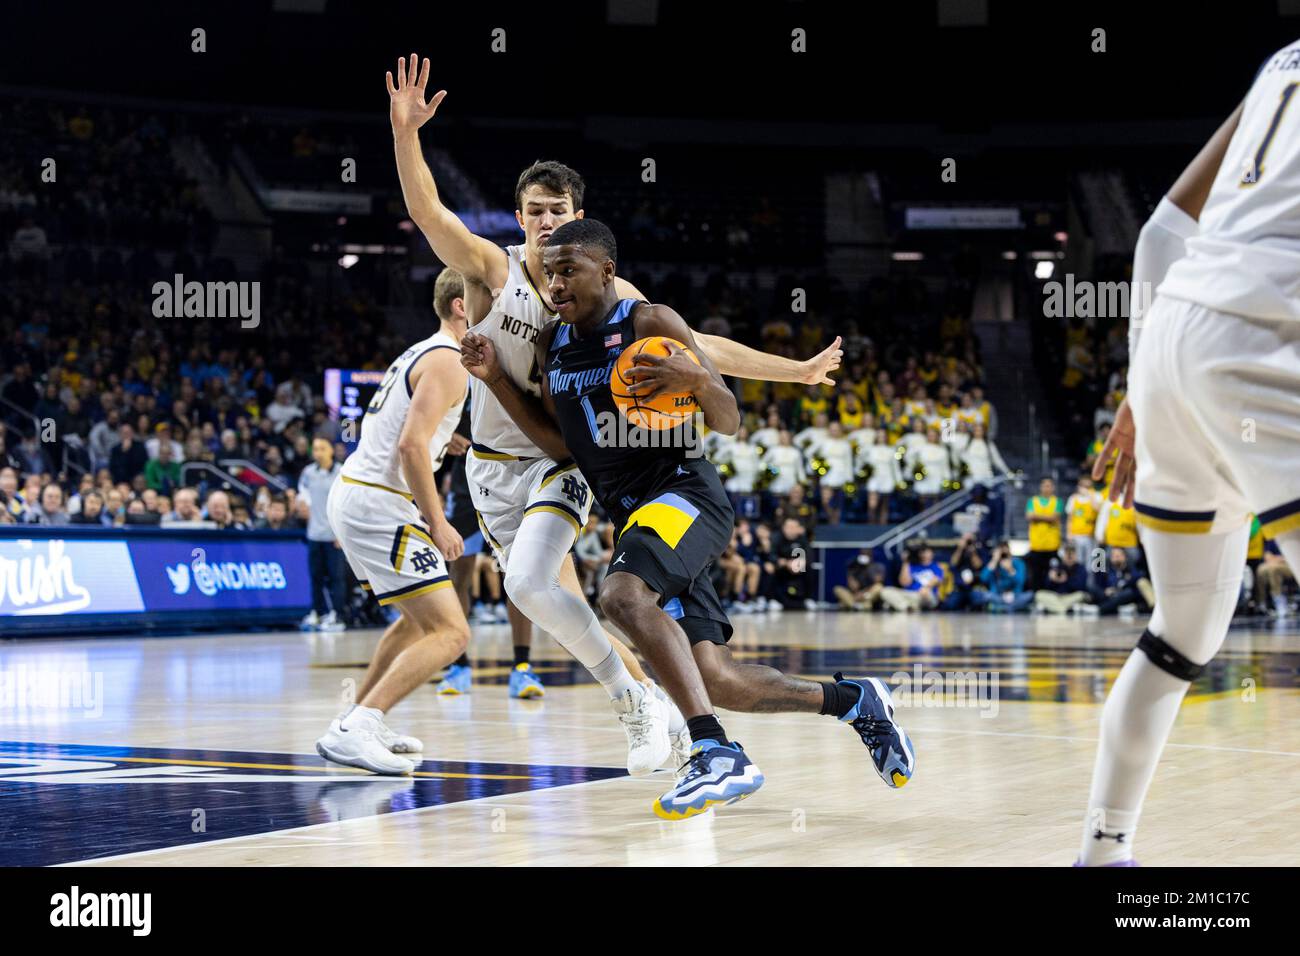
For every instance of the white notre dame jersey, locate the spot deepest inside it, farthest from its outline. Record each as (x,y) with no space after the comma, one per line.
(1245,259)
(376,460)
(516,318)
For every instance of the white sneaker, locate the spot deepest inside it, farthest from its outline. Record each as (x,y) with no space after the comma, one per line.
(354,741)
(482,614)
(680,758)
(680,741)
(775,605)
(399,743)
(500,614)
(331,622)
(645,721)
(310,622)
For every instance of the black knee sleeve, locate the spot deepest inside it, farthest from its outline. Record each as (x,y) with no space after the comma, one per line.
(1167,659)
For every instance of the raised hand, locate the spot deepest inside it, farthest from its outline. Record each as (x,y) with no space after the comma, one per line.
(406,106)
(817,370)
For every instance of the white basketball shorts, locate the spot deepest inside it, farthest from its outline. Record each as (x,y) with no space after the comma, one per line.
(506,489)
(1216,403)
(385,541)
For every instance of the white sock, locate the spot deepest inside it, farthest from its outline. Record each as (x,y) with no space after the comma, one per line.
(1135,723)
(357,712)
(1197,579)
(612,673)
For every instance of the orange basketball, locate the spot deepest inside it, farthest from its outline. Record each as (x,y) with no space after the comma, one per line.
(663,410)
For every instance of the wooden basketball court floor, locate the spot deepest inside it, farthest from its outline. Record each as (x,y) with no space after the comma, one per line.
(198,750)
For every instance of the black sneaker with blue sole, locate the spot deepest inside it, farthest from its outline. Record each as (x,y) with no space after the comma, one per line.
(873,718)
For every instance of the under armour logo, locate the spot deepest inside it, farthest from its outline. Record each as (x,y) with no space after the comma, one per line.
(681,470)
(483,491)
(619,559)
(521,293)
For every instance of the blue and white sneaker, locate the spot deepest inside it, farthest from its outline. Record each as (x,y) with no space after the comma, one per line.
(717,774)
(524,684)
(457,680)
(873,718)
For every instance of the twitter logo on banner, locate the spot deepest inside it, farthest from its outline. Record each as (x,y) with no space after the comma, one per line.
(210,578)
(179,577)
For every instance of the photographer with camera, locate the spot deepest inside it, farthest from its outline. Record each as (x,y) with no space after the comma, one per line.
(1004,579)
(966,566)
(1066,584)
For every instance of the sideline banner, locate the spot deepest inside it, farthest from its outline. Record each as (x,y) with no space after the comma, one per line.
(67,579)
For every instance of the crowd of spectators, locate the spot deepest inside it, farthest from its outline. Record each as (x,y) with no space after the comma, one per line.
(1092,356)
(112,416)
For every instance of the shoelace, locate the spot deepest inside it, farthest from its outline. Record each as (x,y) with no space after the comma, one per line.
(872,727)
(698,764)
(637,724)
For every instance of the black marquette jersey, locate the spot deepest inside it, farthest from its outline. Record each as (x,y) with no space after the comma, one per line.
(621,462)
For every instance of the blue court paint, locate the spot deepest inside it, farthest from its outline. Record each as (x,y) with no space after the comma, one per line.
(67,802)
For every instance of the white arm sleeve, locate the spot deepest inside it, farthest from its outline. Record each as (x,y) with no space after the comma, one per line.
(1161,243)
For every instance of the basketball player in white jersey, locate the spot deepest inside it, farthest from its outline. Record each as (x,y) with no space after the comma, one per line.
(532,507)
(1210,430)
(385,510)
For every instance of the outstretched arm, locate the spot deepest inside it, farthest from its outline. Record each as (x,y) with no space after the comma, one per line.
(678,373)
(732,358)
(474,257)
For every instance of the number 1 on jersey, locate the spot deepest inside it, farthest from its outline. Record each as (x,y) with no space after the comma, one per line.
(591,418)
(1256,168)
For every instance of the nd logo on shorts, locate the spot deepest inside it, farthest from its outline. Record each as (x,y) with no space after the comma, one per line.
(670,516)
(414,555)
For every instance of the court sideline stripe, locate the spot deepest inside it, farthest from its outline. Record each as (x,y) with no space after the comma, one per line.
(331,823)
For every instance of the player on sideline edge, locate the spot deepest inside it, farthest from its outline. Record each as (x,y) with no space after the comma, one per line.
(1218,348)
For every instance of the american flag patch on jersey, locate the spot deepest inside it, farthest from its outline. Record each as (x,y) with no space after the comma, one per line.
(612,340)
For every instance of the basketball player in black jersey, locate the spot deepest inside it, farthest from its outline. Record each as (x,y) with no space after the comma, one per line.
(674,519)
